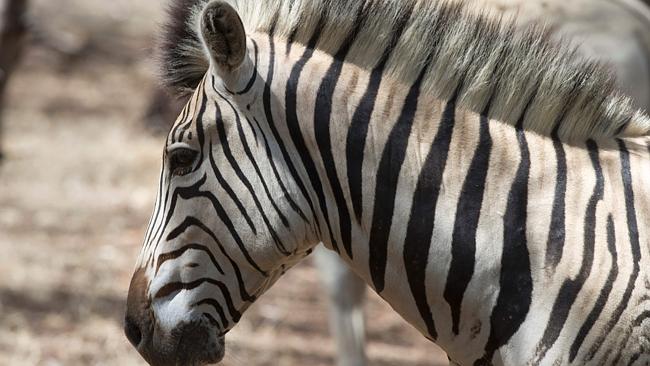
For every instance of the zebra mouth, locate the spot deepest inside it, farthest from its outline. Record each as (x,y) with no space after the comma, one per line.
(216,353)
(191,344)
(200,344)
(220,351)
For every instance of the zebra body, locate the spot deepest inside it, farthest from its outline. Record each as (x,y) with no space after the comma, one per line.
(486,236)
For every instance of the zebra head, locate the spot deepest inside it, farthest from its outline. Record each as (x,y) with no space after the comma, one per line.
(225,225)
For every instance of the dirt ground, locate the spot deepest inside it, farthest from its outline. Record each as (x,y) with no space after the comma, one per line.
(76,191)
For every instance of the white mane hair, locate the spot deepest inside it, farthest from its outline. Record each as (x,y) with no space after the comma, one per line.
(482,61)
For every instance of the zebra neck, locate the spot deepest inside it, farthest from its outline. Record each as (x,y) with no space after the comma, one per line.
(350,126)
(455,219)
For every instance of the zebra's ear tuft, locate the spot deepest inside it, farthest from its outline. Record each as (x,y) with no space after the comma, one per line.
(224,36)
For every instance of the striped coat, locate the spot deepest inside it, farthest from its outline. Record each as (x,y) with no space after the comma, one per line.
(491,191)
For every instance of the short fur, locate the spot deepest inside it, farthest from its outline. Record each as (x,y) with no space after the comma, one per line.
(492,68)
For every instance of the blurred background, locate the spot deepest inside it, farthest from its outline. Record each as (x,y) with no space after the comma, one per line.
(82,135)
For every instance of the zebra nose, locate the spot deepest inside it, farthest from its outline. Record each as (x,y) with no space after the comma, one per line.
(132,331)
(191,342)
(138,320)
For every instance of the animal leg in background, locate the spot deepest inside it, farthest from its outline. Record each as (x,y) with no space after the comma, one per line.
(346,292)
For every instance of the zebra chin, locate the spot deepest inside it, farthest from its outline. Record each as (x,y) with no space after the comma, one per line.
(193,341)
(190,344)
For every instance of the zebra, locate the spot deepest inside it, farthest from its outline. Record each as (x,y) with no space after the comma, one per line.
(625,29)
(491,186)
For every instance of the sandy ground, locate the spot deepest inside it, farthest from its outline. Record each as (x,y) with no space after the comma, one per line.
(75,196)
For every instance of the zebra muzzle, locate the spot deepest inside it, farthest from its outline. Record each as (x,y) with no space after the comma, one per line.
(190,343)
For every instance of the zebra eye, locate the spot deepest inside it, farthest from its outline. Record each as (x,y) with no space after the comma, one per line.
(181,161)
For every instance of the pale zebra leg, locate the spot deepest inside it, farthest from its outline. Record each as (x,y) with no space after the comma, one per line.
(346,293)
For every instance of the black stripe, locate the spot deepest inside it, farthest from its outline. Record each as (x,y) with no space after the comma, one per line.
(200,132)
(251,158)
(186,191)
(359,22)
(634,358)
(169,210)
(185,114)
(212,320)
(643,349)
(498,71)
(516,283)
(571,287)
(423,212)
(158,210)
(251,126)
(318,31)
(358,132)
(291,97)
(641,318)
(623,126)
(388,173)
(194,192)
(180,252)
(557,231)
(617,355)
(604,292)
(633,232)
(186,126)
(577,82)
(274,22)
(271,160)
(269,118)
(217,307)
(292,35)
(315,36)
(181,120)
(322,130)
(260,176)
(225,146)
(229,191)
(235,314)
(463,246)
(253,78)
(173,287)
(191,222)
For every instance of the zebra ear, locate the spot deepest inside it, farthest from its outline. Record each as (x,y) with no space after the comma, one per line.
(224,37)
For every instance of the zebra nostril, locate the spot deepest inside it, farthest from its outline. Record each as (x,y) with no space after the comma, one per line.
(132,331)
(138,317)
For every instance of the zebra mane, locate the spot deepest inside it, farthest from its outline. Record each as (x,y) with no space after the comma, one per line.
(482,61)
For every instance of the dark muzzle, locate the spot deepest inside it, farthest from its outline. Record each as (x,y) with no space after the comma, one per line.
(192,343)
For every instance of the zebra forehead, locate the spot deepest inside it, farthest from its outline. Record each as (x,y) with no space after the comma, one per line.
(516,77)
(183,130)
